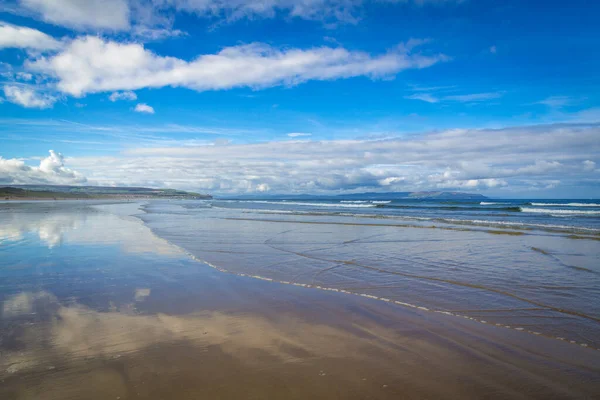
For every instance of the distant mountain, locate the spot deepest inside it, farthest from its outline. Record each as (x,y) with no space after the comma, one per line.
(92,192)
(369,196)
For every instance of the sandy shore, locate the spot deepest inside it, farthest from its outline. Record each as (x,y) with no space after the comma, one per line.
(270,341)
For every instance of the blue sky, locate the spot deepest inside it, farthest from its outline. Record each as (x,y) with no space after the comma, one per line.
(311,96)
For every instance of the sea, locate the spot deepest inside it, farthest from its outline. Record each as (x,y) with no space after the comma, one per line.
(528,265)
(577,215)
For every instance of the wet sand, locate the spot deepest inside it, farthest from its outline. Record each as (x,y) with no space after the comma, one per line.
(94,306)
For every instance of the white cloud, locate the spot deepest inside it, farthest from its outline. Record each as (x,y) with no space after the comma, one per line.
(298,134)
(28,97)
(127,95)
(589,165)
(468,184)
(90,64)
(465,98)
(262,187)
(51,170)
(325,10)
(151,19)
(82,14)
(24,76)
(503,159)
(144,108)
(493,49)
(328,11)
(462,98)
(556,101)
(146,33)
(423,97)
(12,36)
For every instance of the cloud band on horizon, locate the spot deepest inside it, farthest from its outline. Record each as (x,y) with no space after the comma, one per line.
(505,160)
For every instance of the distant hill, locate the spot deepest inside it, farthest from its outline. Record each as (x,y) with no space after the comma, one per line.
(415,195)
(91,192)
(371,196)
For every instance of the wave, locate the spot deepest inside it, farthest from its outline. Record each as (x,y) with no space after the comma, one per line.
(518,225)
(451,221)
(366,201)
(299,203)
(565,204)
(491,203)
(454,208)
(553,211)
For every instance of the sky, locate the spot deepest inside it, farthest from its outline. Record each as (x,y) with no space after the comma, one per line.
(228,97)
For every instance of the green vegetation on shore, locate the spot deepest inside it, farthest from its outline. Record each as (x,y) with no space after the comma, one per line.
(54,192)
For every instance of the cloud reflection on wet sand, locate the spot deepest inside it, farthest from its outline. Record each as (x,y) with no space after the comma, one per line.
(155,324)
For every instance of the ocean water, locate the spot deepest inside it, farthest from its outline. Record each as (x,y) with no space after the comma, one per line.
(569,215)
(526,265)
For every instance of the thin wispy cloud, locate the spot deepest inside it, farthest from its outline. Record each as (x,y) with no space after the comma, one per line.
(426,97)
(474,97)
(298,134)
(123,15)
(557,101)
(462,98)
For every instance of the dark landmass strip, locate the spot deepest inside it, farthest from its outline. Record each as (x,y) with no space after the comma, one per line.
(372,196)
(55,192)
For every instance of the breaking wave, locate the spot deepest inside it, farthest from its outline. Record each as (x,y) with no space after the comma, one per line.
(565,204)
(300,203)
(553,211)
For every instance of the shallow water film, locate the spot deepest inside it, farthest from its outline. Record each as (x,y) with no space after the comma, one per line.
(190,300)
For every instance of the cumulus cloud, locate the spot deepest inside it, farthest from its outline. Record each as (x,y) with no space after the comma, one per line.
(91,64)
(12,36)
(127,95)
(51,170)
(27,97)
(144,108)
(503,159)
(82,14)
